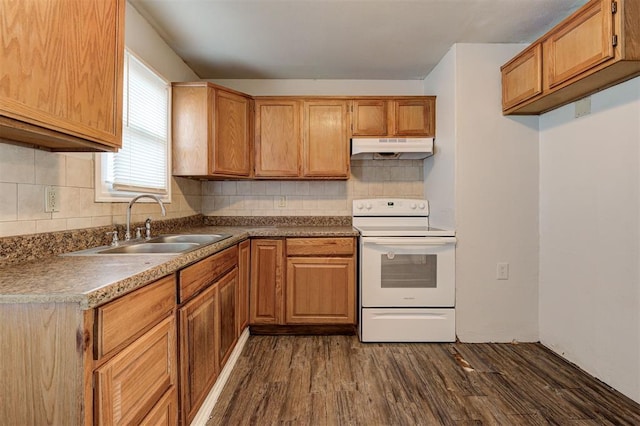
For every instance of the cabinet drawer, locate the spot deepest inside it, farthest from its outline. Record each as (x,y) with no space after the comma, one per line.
(320,246)
(196,277)
(130,384)
(118,322)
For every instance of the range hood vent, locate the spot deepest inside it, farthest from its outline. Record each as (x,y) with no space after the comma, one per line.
(391,148)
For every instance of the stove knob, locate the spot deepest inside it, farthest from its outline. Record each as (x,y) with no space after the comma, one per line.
(422,206)
(413,206)
(359,206)
(368,206)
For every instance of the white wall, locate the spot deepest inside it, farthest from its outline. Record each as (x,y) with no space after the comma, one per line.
(145,42)
(439,169)
(26,172)
(590,236)
(496,194)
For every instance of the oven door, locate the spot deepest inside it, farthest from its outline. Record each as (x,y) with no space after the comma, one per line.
(407,272)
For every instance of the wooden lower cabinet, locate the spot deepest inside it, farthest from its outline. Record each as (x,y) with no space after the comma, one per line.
(320,290)
(208,328)
(142,358)
(244,273)
(266,304)
(228,335)
(198,350)
(165,413)
(319,286)
(130,384)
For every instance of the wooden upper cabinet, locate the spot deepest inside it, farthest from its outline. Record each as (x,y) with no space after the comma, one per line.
(393,117)
(594,48)
(278,138)
(211,131)
(369,117)
(61,84)
(522,77)
(326,139)
(232,149)
(414,117)
(580,43)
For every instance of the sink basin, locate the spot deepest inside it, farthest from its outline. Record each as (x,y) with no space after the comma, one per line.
(189,238)
(151,248)
(164,244)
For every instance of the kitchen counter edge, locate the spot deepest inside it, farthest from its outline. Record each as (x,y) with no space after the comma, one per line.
(91,281)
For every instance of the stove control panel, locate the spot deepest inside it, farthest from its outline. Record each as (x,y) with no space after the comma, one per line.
(390,207)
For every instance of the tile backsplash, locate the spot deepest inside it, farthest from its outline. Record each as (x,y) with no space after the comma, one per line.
(369,179)
(25,173)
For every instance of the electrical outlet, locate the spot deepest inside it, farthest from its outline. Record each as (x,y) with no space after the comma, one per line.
(282,201)
(51,199)
(583,107)
(502,271)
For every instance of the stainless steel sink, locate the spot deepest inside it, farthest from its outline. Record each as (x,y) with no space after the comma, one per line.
(189,238)
(163,244)
(150,248)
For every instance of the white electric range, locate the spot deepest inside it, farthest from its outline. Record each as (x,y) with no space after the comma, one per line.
(406,273)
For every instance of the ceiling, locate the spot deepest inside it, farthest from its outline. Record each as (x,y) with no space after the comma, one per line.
(339,39)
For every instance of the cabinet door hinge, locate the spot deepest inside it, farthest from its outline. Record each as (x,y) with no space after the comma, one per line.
(614,41)
(614,6)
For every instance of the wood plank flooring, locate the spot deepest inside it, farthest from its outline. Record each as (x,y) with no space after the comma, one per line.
(336,380)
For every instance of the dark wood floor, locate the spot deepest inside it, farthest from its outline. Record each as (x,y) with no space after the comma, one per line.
(336,380)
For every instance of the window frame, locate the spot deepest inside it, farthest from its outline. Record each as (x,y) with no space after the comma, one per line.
(103,192)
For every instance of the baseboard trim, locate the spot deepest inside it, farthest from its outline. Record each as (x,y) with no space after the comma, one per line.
(209,403)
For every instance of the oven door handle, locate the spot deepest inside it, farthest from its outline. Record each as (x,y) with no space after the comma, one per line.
(409,241)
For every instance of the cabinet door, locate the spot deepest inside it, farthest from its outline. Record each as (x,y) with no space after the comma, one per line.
(414,117)
(165,413)
(191,128)
(522,77)
(198,350)
(227,290)
(321,290)
(369,118)
(266,294)
(130,384)
(60,76)
(580,44)
(231,144)
(278,138)
(244,267)
(326,140)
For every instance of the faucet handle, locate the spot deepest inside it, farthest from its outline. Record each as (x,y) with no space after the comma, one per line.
(147,225)
(114,237)
(139,232)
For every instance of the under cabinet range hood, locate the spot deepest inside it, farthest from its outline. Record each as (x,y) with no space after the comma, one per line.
(391,148)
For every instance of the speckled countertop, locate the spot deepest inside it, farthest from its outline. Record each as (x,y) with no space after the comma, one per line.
(93,280)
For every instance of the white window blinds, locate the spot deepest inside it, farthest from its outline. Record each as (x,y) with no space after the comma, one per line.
(141,164)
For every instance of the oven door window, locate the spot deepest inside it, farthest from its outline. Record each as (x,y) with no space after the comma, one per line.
(408,270)
(399,273)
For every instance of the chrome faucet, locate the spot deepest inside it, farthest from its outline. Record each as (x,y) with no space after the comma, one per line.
(127,235)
